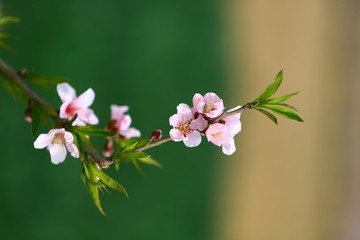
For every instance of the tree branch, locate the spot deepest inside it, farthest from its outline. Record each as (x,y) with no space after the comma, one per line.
(11,74)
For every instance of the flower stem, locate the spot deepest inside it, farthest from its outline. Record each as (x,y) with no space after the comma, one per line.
(11,74)
(153,144)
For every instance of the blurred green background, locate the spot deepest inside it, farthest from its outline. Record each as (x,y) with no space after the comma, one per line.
(293,181)
(150,55)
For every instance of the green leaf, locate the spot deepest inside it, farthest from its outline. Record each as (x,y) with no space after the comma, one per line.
(77,141)
(7,20)
(94,193)
(284,105)
(133,155)
(137,166)
(35,116)
(130,144)
(108,181)
(14,90)
(93,131)
(272,87)
(277,99)
(284,112)
(269,115)
(44,79)
(42,109)
(150,161)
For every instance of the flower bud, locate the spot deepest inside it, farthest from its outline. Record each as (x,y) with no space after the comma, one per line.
(27,114)
(156,135)
(108,149)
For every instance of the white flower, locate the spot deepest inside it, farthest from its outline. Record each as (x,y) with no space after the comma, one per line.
(77,105)
(56,141)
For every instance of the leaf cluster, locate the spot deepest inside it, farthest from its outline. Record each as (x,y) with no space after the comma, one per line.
(263,102)
(4,21)
(129,153)
(95,179)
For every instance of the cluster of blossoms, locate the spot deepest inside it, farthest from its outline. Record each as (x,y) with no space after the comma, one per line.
(58,140)
(202,119)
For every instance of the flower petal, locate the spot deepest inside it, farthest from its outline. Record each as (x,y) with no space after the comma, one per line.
(198,102)
(85,99)
(43,140)
(66,92)
(184,110)
(229,146)
(176,135)
(118,111)
(57,153)
(192,139)
(71,147)
(217,133)
(199,124)
(130,133)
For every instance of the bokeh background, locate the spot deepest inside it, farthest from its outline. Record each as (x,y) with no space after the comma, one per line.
(292,181)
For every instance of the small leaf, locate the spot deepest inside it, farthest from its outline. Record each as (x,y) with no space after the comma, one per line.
(7,20)
(94,193)
(130,144)
(269,115)
(93,131)
(108,181)
(284,112)
(133,155)
(137,166)
(44,79)
(272,87)
(284,105)
(278,99)
(150,161)
(77,141)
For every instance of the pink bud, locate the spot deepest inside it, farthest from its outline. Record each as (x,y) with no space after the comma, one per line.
(27,113)
(156,135)
(108,149)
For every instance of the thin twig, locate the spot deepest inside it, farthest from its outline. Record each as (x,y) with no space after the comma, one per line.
(10,73)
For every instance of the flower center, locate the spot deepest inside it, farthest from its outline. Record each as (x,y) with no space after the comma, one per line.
(208,107)
(58,138)
(70,110)
(185,127)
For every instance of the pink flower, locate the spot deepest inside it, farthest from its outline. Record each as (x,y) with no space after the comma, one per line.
(210,104)
(120,122)
(223,132)
(77,105)
(57,141)
(185,127)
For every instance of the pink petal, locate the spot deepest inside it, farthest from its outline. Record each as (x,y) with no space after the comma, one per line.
(192,139)
(123,123)
(86,99)
(86,115)
(198,102)
(233,123)
(71,147)
(130,133)
(229,146)
(176,135)
(176,120)
(43,140)
(57,153)
(62,111)
(184,110)
(118,111)
(66,92)
(199,124)
(217,133)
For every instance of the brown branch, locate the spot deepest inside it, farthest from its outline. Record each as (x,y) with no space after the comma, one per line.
(10,73)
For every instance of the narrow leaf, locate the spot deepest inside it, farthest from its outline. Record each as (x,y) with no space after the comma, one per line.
(284,112)
(94,193)
(44,79)
(272,87)
(150,161)
(93,131)
(269,115)
(278,99)
(137,166)
(7,20)
(284,105)
(104,178)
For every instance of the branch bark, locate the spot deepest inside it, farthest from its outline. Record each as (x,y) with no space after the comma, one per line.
(10,73)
